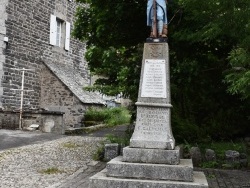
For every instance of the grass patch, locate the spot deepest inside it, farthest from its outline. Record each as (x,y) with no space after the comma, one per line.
(211,176)
(108,116)
(221,147)
(52,170)
(99,154)
(1,157)
(70,145)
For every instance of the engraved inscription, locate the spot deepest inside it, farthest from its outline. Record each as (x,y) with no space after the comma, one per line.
(154,79)
(155,50)
(61,8)
(153,122)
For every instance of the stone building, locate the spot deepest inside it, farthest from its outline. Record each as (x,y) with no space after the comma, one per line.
(36,35)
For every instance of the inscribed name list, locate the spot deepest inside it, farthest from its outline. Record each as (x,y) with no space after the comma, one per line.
(154,79)
(152,123)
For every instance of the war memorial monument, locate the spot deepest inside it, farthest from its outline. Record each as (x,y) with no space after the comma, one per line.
(152,160)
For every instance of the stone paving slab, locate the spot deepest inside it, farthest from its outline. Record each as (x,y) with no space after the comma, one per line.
(80,179)
(218,178)
(101,180)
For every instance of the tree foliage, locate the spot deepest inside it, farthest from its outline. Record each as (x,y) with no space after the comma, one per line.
(220,29)
(204,41)
(209,55)
(114,31)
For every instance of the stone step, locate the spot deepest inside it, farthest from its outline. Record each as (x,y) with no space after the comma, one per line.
(100,180)
(156,156)
(182,172)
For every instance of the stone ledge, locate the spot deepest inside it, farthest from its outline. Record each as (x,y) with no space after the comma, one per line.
(149,144)
(156,156)
(182,172)
(153,104)
(100,180)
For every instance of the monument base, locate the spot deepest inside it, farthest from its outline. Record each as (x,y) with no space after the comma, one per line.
(101,180)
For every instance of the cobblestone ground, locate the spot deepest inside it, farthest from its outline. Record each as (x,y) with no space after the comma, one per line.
(71,160)
(30,166)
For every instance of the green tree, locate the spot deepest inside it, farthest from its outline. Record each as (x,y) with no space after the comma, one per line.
(204,40)
(209,56)
(114,31)
(220,29)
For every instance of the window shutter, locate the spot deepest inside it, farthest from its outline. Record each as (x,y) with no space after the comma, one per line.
(52,29)
(67,37)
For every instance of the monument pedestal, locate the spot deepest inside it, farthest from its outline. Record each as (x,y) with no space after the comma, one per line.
(155,156)
(151,160)
(153,120)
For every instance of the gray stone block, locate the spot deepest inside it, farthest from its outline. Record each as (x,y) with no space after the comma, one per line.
(157,156)
(181,172)
(210,155)
(111,151)
(153,120)
(100,180)
(195,154)
(232,156)
(152,129)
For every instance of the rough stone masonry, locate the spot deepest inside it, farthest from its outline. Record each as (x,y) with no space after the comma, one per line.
(35,34)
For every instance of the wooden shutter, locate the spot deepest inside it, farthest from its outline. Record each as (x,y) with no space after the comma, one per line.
(52,29)
(67,37)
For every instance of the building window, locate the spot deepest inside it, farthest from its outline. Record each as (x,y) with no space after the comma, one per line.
(59,32)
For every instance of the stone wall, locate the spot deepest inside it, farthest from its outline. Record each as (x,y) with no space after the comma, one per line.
(3,18)
(29,25)
(28,30)
(9,120)
(55,96)
(47,121)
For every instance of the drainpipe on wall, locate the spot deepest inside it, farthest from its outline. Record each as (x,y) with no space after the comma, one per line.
(22,90)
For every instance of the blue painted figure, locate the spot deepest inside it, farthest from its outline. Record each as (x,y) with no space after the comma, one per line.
(161,14)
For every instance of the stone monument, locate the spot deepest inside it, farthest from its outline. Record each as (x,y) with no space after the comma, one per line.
(151,160)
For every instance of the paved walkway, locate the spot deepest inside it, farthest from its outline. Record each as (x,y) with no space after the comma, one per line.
(118,131)
(80,179)
(16,138)
(227,178)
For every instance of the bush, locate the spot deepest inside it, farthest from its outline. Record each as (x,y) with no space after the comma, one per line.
(108,116)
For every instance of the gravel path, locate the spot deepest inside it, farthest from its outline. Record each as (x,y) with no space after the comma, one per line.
(29,166)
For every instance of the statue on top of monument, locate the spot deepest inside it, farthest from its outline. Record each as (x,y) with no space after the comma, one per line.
(157,17)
